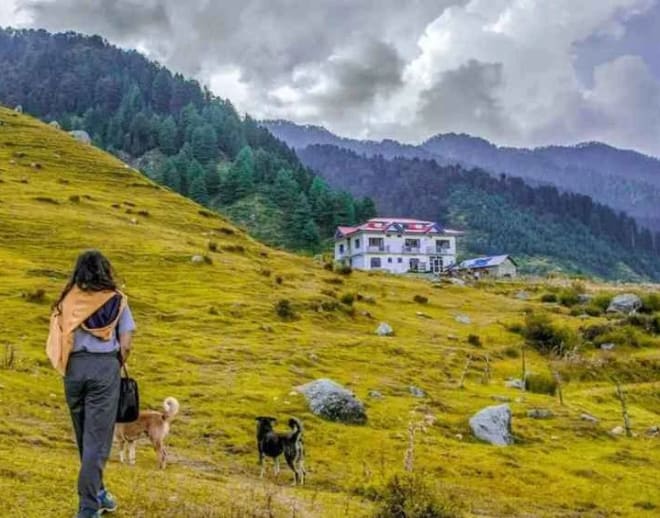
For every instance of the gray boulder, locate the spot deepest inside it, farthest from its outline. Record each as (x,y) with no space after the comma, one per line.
(384,329)
(607,346)
(331,401)
(493,425)
(81,136)
(54,124)
(463,319)
(416,391)
(522,295)
(515,383)
(624,303)
(588,417)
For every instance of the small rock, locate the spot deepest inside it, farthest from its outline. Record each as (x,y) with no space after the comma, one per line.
(374,394)
(493,425)
(503,399)
(422,315)
(625,303)
(617,430)
(18,108)
(463,319)
(588,417)
(459,436)
(367,314)
(540,413)
(54,124)
(267,328)
(607,347)
(452,337)
(416,391)
(197,259)
(515,383)
(522,295)
(331,401)
(313,357)
(384,329)
(134,221)
(653,431)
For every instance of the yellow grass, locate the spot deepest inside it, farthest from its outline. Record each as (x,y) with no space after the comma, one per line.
(209,335)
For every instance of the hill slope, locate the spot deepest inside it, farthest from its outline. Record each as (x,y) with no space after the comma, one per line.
(625,180)
(208,334)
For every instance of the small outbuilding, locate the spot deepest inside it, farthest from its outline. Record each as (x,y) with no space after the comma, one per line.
(492,266)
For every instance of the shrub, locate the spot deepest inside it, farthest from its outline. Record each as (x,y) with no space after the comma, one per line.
(328,266)
(593,310)
(650,302)
(542,334)
(226,230)
(238,249)
(37,296)
(343,269)
(569,297)
(410,496)
(348,299)
(284,310)
(46,199)
(548,297)
(129,203)
(474,340)
(334,280)
(279,279)
(512,352)
(213,311)
(591,333)
(207,259)
(601,301)
(329,305)
(265,272)
(329,293)
(541,384)
(74,198)
(421,299)
(213,246)
(143,213)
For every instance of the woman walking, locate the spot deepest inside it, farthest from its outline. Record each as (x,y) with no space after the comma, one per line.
(90,336)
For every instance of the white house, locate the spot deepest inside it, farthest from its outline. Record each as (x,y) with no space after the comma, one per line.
(492,266)
(397,245)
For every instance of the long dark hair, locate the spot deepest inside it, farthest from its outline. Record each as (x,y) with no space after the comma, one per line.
(92,272)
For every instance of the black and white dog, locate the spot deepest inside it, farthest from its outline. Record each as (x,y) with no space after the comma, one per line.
(273,444)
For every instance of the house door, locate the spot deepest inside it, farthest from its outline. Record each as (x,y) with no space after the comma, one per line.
(414,265)
(436,264)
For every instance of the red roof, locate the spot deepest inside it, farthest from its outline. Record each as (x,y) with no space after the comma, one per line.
(406,225)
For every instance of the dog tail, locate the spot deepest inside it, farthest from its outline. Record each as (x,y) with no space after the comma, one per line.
(171,406)
(296,425)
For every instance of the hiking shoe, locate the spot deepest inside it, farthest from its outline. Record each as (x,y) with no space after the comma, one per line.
(107,502)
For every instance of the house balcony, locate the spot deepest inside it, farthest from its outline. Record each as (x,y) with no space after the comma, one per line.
(378,249)
(411,250)
(445,250)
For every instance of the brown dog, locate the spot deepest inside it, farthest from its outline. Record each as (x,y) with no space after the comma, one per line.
(155,425)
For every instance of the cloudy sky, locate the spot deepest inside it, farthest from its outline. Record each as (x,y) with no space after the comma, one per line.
(518,72)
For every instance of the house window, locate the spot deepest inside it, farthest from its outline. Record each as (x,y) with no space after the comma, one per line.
(442,244)
(375,262)
(399,259)
(357,243)
(341,249)
(389,259)
(376,243)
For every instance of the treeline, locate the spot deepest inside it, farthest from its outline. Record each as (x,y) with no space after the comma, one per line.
(466,199)
(201,146)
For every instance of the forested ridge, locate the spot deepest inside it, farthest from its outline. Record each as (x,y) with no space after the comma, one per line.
(501,215)
(191,140)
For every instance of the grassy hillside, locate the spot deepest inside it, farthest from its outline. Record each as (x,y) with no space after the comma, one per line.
(208,334)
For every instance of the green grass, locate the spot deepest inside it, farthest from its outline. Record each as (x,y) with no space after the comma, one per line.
(209,335)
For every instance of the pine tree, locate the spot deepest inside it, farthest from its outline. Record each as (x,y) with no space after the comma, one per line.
(204,143)
(161,91)
(167,136)
(302,229)
(365,209)
(172,177)
(212,179)
(344,209)
(285,190)
(198,191)
(239,181)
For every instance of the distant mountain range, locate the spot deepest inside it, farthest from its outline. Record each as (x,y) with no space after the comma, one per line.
(622,179)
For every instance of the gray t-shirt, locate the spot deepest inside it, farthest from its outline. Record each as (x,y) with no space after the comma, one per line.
(84,341)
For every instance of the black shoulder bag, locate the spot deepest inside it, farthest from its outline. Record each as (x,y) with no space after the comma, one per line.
(129,399)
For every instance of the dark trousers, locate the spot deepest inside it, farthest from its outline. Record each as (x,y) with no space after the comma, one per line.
(91,386)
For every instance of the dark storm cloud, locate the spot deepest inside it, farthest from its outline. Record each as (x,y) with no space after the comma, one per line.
(465,100)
